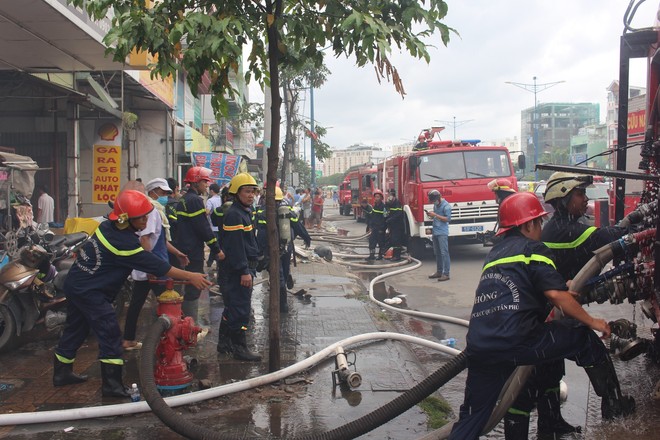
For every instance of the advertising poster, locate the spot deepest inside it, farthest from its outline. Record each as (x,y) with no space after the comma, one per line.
(224,166)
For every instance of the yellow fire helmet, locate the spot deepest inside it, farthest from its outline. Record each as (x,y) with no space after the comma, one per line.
(240,180)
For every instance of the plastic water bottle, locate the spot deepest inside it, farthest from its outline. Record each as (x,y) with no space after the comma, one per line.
(135,393)
(451,342)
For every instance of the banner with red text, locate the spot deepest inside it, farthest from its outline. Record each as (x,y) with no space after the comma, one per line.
(224,166)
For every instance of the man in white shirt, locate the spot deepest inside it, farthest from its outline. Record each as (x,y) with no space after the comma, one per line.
(45,206)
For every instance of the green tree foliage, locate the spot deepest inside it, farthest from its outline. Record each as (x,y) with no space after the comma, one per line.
(333,179)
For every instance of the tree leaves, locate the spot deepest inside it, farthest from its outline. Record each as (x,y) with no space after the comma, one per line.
(209,36)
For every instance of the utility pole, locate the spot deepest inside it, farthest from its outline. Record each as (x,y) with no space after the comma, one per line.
(455,124)
(312,154)
(535,88)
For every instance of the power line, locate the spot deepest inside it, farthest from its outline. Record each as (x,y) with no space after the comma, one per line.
(455,124)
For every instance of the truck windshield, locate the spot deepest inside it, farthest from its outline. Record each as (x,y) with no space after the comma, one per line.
(455,165)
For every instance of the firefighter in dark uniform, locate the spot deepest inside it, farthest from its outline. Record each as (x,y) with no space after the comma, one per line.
(376,225)
(194,231)
(297,230)
(507,327)
(572,243)
(239,241)
(288,227)
(395,224)
(102,266)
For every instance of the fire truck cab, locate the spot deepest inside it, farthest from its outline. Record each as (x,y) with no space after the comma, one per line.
(460,170)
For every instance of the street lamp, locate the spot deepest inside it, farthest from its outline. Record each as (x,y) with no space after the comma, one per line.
(535,88)
(455,124)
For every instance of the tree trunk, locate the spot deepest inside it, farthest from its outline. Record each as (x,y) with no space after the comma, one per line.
(274,360)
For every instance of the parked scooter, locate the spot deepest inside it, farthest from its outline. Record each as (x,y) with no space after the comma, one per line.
(31,285)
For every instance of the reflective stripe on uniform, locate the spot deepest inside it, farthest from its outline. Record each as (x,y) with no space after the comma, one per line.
(112,361)
(191,214)
(113,249)
(247,228)
(64,360)
(211,241)
(520,259)
(575,243)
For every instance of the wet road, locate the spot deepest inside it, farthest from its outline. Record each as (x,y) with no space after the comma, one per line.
(455,297)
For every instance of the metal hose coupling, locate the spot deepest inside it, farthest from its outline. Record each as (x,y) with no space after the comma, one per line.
(343,375)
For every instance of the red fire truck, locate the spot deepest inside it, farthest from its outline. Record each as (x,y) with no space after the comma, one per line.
(345,196)
(362,183)
(460,170)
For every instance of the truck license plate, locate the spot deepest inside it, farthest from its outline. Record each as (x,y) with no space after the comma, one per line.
(479,228)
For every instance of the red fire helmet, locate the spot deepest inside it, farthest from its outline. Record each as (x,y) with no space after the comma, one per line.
(197,174)
(518,209)
(130,204)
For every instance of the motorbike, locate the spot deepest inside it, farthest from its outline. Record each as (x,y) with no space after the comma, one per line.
(31,284)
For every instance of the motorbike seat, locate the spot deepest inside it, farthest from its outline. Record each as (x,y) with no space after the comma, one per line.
(65,264)
(57,240)
(75,238)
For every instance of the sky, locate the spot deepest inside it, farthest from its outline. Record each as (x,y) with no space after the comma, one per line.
(574,41)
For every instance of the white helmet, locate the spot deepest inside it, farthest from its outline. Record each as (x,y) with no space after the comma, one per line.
(562,183)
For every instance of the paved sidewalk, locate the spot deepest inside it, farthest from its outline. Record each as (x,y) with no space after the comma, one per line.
(334,308)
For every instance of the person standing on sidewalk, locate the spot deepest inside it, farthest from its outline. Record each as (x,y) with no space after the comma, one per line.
(441,216)
(317,209)
(193,232)
(239,241)
(100,269)
(45,206)
(154,238)
(306,204)
(507,327)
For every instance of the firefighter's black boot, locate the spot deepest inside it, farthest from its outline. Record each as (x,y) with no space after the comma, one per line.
(380,255)
(396,254)
(372,255)
(516,426)
(224,339)
(191,308)
(241,351)
(112,383)
(63,373)
(289,282)
(606,385)
(550,419)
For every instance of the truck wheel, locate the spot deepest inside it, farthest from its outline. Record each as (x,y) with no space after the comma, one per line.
(7,329)
(417,248)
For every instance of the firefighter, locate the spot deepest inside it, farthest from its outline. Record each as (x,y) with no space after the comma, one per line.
(572,244)
(285,237)
(395,225)
(193,232)
(507,327)
(239,241)
(376,225)
(217,218)
(102,266)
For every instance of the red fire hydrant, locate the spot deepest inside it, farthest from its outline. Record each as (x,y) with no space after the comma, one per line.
(171,371)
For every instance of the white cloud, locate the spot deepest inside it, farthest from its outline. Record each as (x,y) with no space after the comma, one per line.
(565,40)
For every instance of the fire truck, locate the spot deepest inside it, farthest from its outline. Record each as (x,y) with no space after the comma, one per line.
(357,188)
(345,197)
(460,170)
